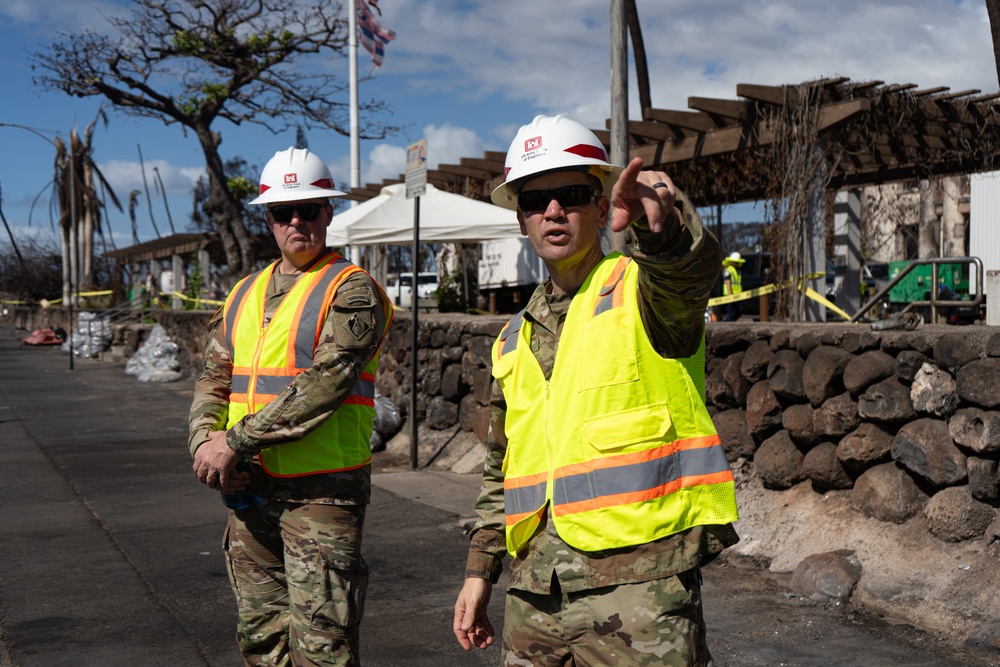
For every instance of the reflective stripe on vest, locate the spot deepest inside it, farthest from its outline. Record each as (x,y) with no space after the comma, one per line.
(266,358)
(508,335)
(621,457)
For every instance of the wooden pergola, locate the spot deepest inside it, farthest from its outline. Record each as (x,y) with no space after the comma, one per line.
(724,151)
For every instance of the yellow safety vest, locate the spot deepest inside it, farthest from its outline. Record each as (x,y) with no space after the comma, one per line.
(623,457)
(267,357)
(735,285)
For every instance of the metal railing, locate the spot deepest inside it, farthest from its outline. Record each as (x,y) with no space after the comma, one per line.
(934,302)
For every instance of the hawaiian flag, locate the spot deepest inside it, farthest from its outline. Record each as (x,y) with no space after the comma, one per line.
(371,34)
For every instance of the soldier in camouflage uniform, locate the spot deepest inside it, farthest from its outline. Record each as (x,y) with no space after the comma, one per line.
(638,604)
(294,553)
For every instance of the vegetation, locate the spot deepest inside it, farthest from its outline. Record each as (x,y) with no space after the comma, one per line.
(37,277)
(451,292)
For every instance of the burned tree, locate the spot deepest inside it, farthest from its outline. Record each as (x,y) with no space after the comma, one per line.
(194,62)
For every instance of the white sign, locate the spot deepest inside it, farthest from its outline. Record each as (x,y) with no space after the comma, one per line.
(416,169)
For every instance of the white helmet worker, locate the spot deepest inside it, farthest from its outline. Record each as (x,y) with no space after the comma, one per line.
(294,174)
(553,143)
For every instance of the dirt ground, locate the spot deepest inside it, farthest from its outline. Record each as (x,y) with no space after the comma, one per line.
(754,618)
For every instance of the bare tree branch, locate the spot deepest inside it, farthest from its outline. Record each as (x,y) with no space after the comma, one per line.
(193,62)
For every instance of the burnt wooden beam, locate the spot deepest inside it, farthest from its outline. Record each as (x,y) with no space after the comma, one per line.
(899,88)
(604,136)
(438,178)
(831,82)
(734,109)
(479,163)
(729,139)
(952,96)
(982,98)
(495,156)
(687,120)
(866,85)
(951,113)
(470,172)
(930,91)
(832,115)
(650,130)
(780,95)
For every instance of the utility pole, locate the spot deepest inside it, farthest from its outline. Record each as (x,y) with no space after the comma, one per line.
(619,101)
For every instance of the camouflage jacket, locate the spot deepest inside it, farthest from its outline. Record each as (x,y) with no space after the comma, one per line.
(677,269)
(342,352)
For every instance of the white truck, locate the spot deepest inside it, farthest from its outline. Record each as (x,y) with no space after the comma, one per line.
(509,271)
(400,289)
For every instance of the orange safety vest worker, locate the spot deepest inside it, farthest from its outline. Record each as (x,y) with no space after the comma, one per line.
(266,357)
(623,457)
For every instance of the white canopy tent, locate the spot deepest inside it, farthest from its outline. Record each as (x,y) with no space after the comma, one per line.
(444,218)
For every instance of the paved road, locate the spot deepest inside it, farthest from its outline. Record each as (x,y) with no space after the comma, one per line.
(112,551)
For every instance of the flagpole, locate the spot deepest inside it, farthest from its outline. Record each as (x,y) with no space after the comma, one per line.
(352,57)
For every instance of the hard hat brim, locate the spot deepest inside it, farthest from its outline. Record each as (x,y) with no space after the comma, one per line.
(274,195)
(505,196)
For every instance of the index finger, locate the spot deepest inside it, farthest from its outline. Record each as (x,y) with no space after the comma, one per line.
(624,195)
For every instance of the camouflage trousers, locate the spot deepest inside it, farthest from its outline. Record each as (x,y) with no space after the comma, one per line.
(630,625)
(300,582)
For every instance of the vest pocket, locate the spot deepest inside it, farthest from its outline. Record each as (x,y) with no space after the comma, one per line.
(618,430)
(609,356)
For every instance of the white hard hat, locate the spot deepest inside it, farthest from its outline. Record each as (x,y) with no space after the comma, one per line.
(295,174)
(553,143)
(736,256)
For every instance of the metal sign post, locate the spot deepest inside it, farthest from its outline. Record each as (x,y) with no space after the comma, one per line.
(416,185)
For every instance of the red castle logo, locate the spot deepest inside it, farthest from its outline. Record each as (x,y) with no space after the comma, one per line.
(291,178)
(532,144)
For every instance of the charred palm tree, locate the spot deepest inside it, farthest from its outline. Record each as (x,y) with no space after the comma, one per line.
(78,182)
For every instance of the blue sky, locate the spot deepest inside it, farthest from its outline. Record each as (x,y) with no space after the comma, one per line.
(465,74)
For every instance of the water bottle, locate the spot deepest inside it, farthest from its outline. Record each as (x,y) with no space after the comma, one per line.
(240,500)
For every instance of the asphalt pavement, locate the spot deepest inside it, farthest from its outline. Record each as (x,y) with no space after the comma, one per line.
(111,551)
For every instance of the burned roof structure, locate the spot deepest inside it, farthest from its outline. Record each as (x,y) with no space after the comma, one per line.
(730,150)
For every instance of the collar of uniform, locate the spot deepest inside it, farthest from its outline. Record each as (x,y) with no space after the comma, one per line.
(546,309)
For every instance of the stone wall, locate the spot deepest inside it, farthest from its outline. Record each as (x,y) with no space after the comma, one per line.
(907,420)
(867,464)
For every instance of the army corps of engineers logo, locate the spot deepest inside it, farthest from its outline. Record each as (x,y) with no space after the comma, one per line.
(532,144)
(291,179)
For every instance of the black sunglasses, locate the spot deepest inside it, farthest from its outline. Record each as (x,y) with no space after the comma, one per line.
(284,212)
(570,195)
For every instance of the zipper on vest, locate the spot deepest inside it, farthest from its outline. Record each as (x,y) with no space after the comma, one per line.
(252,389)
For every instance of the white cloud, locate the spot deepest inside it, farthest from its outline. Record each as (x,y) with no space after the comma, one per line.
(125,176)
(56,15)
(554,56)
(384,161)
(446,144)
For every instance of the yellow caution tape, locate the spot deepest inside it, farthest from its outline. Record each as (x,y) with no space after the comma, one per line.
(767,289)
(819,298)
(198,300)
(759,291)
